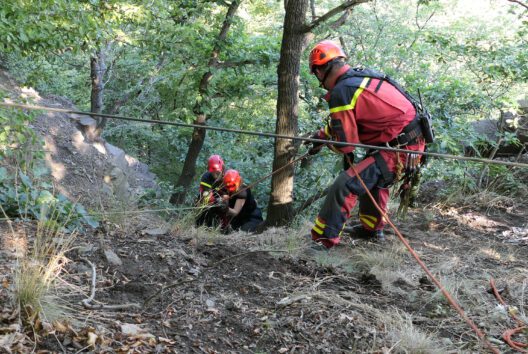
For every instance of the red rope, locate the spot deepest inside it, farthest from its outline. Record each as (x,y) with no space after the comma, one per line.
(448,296)
(506,335)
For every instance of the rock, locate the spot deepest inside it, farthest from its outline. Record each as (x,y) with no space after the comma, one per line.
(157,231)
(194,271)
(87,121)
(131,329)
(112,258)
(446,342)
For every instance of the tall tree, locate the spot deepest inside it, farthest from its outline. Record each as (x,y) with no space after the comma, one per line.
(296,35)
(198,136)
(97,71)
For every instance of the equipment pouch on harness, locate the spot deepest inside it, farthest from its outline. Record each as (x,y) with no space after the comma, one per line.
(426,123)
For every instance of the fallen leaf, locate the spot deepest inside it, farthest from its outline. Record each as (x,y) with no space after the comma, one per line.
(60,327)
(92,338)
(166,340)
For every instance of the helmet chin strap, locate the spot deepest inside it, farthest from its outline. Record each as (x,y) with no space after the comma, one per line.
(329,67)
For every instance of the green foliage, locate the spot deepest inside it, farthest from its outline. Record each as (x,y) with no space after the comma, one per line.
(467,65)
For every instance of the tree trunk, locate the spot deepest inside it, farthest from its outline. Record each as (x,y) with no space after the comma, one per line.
(280,207)
(97,71)
(296,36)
(198,136)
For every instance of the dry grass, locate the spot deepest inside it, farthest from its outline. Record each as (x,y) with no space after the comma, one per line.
(485,199)
(36,274)
(406,338)
(186,220)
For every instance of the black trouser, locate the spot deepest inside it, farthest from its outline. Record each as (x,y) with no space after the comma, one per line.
(210,217)
(248,224)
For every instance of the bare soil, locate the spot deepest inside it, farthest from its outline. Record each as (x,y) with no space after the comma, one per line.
(203,292)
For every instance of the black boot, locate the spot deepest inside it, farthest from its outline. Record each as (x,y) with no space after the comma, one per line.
(358,231)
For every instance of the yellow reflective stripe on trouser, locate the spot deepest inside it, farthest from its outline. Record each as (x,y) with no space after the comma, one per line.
(206,184)
(370,221)
(320,224)
(371,217)
(354,98)
(318,230)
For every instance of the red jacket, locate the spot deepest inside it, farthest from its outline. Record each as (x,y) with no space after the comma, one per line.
(365,110)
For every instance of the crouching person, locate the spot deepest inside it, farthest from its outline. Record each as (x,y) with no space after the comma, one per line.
(209,199)
(241,209)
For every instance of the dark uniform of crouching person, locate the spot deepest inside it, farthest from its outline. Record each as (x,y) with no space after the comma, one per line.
(210,197)
(241,210)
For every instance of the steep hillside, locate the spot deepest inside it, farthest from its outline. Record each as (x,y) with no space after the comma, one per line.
(92,173)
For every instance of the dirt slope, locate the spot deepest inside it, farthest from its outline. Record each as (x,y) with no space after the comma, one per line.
(93,173)
(204,292)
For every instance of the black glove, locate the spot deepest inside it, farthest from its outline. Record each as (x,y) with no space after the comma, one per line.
(346,158)
(316,146)
(223,205)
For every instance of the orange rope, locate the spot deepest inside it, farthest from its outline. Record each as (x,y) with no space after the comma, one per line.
(448,296)
(510,332)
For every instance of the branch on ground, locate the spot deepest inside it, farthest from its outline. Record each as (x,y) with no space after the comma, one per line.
(87,303)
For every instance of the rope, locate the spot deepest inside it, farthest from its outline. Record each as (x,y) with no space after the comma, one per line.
(269,135)
(448,296)
(506,335)
(272,173)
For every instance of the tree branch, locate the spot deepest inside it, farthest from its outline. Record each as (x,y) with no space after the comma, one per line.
(234,64)
(520,3)
(343,7)
(308,202)
(341,20)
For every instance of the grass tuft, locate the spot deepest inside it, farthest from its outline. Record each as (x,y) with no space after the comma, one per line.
(406,338)
(37,272)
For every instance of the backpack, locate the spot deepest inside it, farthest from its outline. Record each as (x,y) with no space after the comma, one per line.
(424,117)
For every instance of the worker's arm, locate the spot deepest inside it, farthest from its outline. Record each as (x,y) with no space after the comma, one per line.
(235,210)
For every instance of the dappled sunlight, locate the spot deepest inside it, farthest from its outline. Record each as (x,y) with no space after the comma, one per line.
(28,92)
(58,170)
(490,252)
(474,220)
(435,247)
(14,241)
(79,143)
(99,147)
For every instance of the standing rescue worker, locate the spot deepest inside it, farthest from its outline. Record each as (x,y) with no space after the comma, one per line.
(210,198)
(369,108)
(242,211)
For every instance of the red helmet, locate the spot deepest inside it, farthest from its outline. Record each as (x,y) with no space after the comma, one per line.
(215,164)
(232,180)
(324,52)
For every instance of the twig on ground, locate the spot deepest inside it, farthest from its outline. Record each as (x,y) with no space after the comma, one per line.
(87,302)
(163,288)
